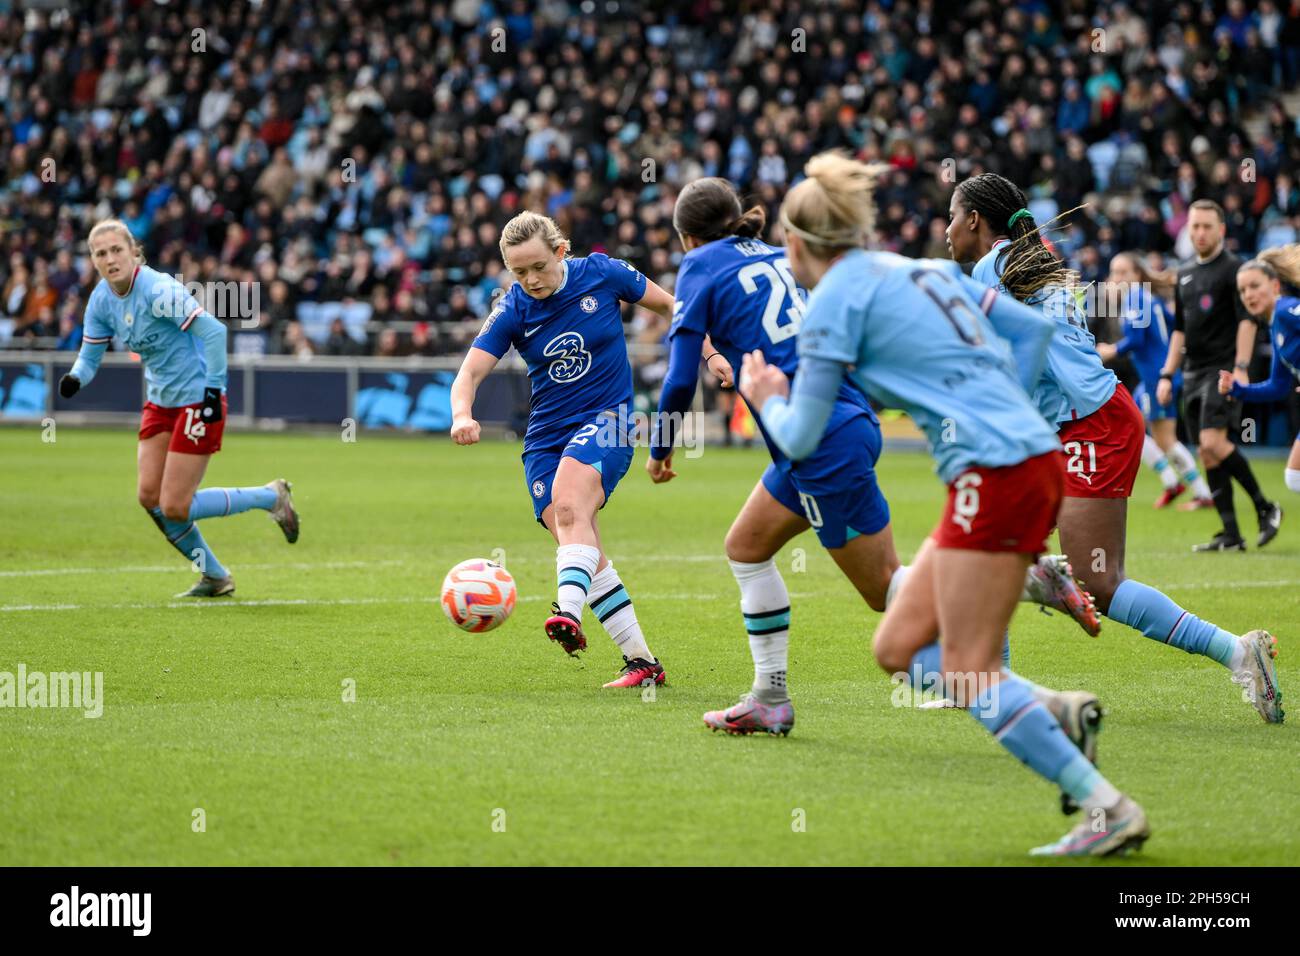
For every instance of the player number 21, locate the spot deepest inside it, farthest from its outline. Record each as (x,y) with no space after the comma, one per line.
(781,283)
(1074,464)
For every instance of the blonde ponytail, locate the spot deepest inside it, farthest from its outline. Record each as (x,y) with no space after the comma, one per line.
(834,208)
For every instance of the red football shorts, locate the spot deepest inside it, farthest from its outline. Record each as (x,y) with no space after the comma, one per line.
(191,435)
(1012,508)
(1103,452)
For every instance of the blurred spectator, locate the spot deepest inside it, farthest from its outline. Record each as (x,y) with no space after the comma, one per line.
(371,154)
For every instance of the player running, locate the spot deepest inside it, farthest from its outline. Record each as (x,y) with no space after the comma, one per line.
(1259,282)
(957,357)
(1101,431)
(1146,324)
(737,294)
(564,317)
(183,350)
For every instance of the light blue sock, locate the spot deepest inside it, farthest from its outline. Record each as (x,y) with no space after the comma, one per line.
(1006,651)
(926,670)
(1155,615)
(219,502)
(185,538)
(1011,713)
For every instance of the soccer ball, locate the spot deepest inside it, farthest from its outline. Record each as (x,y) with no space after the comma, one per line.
(478,595)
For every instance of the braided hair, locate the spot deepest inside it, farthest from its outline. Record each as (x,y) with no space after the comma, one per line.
(1025,264)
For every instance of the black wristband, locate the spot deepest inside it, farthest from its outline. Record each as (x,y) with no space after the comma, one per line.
(1166,375)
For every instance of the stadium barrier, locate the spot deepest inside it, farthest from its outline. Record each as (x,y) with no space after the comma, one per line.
(274,391)
(280,392)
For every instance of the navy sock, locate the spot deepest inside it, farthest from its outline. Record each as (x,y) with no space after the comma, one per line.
(1220,482)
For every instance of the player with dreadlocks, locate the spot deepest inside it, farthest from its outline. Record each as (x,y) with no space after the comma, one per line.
(1101,431)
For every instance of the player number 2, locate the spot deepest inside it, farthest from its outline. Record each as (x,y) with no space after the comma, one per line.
(1074,464)
(781,283)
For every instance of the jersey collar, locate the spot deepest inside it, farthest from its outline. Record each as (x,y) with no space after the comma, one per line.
(128,288)
(564,266)
(999,243)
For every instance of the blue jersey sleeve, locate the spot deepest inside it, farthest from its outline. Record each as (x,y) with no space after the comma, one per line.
(628,284)
(833,331)
(1027,330)
(499,329)
(96,334)
(678,389)
(213,333)
(1137,326)
(168,299)
(796,426)
(692,294)
(1280,378)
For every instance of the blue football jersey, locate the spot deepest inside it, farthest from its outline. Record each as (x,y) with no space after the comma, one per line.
(1284,335)
(1075,383)
(153,319)
(742,294)
(915,335)
(573,344)
(1145,325)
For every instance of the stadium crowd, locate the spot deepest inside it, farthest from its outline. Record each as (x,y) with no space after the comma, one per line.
(364,156)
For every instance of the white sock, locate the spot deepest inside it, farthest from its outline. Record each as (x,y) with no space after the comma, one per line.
(1104,796)
(1155,458)
(896,583)
(765,604)
(613,608)
(575,565)
(1293,479)
(1185,464)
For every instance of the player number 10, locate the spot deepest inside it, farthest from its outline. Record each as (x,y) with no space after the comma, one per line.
(1074,464)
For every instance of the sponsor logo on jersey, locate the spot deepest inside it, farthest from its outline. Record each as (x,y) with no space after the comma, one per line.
(588,303)
(1206,302)
(571,358)
(129,319)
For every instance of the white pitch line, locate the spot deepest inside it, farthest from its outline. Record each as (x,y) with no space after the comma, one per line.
(323,565)
(164,568)
(308,602)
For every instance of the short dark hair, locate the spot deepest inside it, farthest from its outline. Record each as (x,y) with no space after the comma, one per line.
(1211,205)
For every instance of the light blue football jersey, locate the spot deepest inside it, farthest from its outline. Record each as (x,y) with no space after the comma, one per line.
(1075,383)
(152,320)
(573,344)
(916,336)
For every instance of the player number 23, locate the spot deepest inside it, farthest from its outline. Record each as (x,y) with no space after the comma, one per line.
(780,281)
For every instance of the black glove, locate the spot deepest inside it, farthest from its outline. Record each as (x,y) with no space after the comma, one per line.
(212,405)
(69,385)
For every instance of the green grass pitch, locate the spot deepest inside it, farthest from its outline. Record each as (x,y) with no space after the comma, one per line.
(496,748)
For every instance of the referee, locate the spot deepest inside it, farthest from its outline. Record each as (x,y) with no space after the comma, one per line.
(1214,331)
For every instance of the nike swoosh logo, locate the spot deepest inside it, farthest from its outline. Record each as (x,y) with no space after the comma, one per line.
(1185,279)
(536,329)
